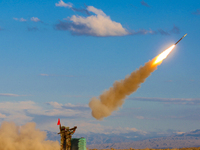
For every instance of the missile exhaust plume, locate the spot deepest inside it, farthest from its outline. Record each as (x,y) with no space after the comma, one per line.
(113,98)
(163,55)
(26,137)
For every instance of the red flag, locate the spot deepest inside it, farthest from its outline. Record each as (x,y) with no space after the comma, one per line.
(58,121)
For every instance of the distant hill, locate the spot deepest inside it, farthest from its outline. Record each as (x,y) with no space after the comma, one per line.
(92,138)
(96,138)
(190,139)
(124,141)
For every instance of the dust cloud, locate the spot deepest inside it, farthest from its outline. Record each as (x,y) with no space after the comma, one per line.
(26,137)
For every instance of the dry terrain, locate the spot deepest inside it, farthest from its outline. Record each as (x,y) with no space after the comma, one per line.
(189,148)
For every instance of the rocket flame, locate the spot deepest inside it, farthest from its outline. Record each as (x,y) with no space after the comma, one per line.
(163,55)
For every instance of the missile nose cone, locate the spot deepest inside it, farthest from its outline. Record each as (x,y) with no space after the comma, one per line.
(185,34)
(180,39)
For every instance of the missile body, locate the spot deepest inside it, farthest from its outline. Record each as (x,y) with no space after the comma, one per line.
(180,39)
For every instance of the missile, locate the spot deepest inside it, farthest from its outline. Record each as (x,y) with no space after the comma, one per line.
(180,39)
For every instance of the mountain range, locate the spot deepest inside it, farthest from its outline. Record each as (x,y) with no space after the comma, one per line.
(125,141)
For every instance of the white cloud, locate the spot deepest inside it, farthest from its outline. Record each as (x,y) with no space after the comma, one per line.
(133,129)
(35,19)
(139,117)
(99,24)
(16,111)
(15,18)
(179,133)
(2,115)
(24,111)
(78,105)
(63,4)
(43,74)
(96,11)
(182,101)
(85,127)
(95,25)
(56,75)
(20,19)
(98,128)
(65,110)
(10,95)
(79,96)
(91,127)
(55,104)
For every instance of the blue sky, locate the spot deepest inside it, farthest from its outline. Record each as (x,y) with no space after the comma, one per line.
(57,55)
